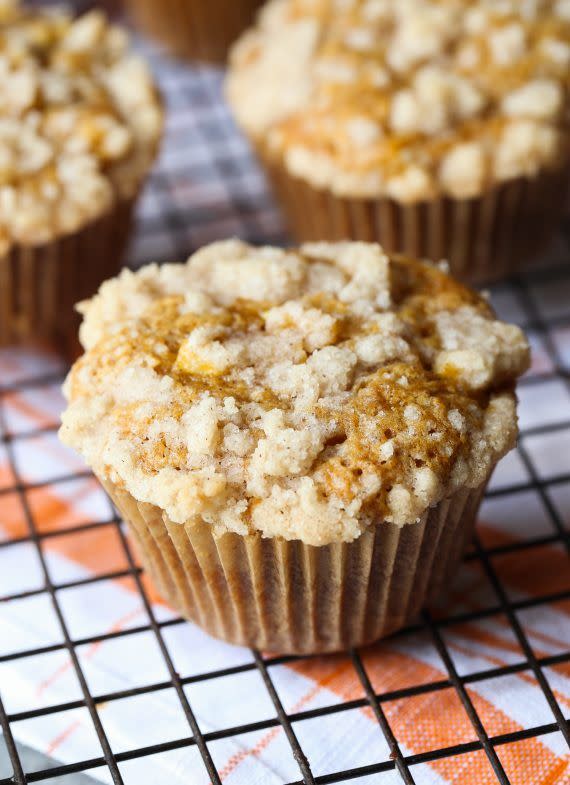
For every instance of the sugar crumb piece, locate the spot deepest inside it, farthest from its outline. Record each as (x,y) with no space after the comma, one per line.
(199,354)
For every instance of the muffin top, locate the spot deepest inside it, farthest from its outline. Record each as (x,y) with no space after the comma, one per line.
(300,393)
(409,99)
(80,121)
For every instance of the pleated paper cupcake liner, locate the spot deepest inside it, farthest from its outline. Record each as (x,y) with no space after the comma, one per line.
(285,596)
(194,29)
(484,239)
(40,285)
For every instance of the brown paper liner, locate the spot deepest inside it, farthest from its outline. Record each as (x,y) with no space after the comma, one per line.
(194,29)
(483,239)
(40,285)
(285,596)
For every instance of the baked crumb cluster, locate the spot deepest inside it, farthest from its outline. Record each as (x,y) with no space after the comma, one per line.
(80,121)
(304,393)
(407,99)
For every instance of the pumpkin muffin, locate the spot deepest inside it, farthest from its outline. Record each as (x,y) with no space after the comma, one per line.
(194,29)
(300,439)
(80,123)
(439,129)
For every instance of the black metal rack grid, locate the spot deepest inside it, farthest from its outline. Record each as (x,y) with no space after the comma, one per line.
(206,187)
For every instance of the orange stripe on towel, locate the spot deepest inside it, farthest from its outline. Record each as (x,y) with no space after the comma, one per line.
(336,666)
(91,651)
(433,720)
(62,737)
(33,414)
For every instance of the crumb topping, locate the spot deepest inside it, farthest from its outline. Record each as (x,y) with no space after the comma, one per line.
(302,393)
(406,99)
(80,121)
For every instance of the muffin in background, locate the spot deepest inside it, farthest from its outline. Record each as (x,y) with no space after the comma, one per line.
(438,129)
(300,439)
(80,125)
(194,29)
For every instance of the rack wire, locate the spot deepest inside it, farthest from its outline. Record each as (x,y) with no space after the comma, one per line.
(206,187)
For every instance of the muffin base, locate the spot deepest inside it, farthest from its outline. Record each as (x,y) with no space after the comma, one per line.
(40,285)
(484,239)
(194,29)
(285,596)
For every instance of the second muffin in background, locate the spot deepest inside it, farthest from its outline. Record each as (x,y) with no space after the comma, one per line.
(300,439)
(438,129)
(80,125)
(200,30)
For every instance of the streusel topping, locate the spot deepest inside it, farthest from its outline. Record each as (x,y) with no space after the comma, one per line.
(302,393)
(80,121)
(407,99)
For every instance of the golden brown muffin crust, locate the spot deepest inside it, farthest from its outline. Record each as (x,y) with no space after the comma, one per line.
(303,393)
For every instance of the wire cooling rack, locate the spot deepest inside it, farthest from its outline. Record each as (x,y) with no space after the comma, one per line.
(204,188)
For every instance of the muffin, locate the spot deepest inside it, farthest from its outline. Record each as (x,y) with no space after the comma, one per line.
(438,129)
(299,440)
(194,29)
(80,123)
